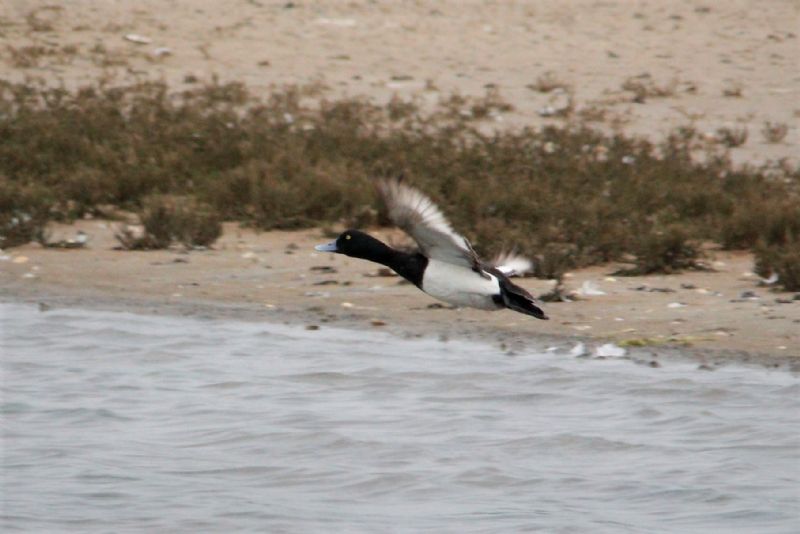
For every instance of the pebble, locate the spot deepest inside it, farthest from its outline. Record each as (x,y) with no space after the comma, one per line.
(326,269)
(654,289)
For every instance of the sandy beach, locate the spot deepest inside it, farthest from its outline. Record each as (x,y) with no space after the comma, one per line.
(715,65)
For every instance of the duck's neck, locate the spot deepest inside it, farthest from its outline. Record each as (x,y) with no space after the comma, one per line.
(409,266)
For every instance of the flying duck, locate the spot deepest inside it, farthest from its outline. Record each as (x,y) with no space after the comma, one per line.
(446,267)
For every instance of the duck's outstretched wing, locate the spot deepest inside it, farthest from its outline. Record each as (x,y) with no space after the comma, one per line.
(419,217)
(511,264)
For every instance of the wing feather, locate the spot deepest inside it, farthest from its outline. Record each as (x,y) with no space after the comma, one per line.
(511,264)
(419,217)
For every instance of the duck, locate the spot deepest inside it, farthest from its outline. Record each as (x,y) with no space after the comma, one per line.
(445,266)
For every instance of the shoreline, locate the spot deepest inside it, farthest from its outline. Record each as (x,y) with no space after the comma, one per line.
(277,277)
(508,343)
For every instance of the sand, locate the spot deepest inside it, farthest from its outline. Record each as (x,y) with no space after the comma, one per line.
(696,51)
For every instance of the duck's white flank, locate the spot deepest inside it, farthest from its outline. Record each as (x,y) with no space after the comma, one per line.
(459,286)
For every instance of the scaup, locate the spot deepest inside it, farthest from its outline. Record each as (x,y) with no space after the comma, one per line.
(446,267)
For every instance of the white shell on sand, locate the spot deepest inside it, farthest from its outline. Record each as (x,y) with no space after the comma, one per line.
(341,23)
(609,349)
(590,289)
(138,39)
(578,350)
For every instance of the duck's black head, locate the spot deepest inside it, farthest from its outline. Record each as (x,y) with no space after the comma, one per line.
(357,244)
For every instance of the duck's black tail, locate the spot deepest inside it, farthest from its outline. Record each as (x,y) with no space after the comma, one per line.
(517,299)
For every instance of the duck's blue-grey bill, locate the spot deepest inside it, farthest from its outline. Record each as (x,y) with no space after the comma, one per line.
(330,247)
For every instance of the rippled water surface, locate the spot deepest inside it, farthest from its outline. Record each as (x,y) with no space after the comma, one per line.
(122,422)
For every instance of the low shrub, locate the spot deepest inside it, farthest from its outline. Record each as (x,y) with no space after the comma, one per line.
(781,260)
(169,219)
(554,261)
(569,194)
(774,132)
(732,137)
(24,213)
(664,251)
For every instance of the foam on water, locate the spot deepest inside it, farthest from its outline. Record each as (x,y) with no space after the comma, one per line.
(127,422)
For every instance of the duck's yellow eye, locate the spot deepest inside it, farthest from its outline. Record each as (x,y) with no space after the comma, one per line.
(347,236)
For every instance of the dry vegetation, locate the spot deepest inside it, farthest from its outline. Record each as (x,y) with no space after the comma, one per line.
(547,82)
(568,194)
(644,87)
(168,219)
(732,137)
(774,132)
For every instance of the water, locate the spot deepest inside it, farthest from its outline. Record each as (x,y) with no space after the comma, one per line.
(121,422)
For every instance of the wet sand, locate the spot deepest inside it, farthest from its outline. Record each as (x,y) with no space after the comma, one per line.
(277,276)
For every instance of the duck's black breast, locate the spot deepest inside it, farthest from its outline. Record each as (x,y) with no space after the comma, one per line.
(410,266)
